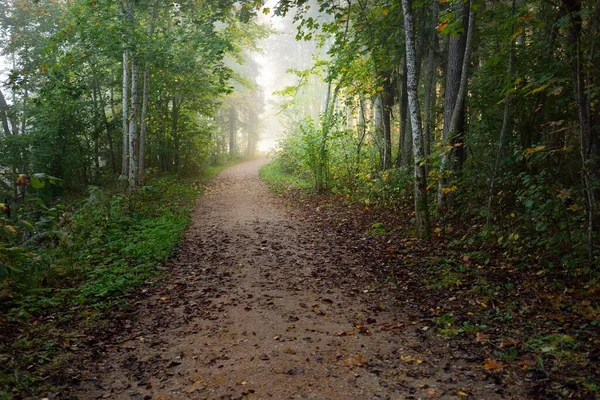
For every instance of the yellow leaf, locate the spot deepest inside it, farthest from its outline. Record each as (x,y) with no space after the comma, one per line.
(536,149)
(164,298)
(517,33)
(410,359)
(539,89)
(3,207)
(449,189)
(10,229)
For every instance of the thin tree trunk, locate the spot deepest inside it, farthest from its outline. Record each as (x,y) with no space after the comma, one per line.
(421,206)
(455,113)
(109,138)
(174,131)
(4,115)
(379,127)
(133,123)
(430,81)
(403,118)
(589,140)
(125,150)
(503,130)
(232,130)
(145,98)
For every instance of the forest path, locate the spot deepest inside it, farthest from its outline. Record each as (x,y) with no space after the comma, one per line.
(248,310)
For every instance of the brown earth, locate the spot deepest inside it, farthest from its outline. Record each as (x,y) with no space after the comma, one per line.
(260,304)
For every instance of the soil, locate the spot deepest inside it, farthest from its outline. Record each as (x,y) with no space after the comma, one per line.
(259,303)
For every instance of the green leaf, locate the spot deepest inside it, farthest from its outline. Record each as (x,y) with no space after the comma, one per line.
(37,183)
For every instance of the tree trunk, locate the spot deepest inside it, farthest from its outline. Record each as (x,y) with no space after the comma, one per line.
(403,118)
(4,115)
(421,206)
(387,98)
(456,89)
(589,117)
(125,150)
(109,138)
(175,132)
(133,123)
(233,119)
(145,98)
(503,130)
(379,127)
(430,81)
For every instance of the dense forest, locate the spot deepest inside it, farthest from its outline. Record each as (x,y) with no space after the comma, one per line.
(488,108)
(471,127)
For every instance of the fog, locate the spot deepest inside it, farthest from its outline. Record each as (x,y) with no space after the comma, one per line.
(280,52)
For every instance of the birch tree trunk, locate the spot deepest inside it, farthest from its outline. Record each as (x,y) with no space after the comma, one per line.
(421,207)
(133,123)
(125,152)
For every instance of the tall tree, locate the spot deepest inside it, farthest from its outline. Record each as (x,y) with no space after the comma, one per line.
(421,206)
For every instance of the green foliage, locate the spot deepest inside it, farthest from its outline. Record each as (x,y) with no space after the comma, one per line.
(280,179)
(109,245)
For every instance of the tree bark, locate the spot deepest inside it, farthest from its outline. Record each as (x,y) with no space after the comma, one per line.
(233,119)
(4,115)
(400,160)
(430,81)
(133,123)
(454,104)
(145,99)
(125,152)
(421,205)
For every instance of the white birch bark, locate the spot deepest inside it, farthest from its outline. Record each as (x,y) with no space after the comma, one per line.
(421,206)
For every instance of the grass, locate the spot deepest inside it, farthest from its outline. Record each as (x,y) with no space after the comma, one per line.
(115,244)
(280,181)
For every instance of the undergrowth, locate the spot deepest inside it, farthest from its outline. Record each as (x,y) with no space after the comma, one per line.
(100,249)
(279,180)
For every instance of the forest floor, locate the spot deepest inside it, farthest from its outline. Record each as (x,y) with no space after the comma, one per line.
(277,297)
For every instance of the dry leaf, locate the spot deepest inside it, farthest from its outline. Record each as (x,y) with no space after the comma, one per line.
(410,359)
(508,342)
(482,337)
(493,365)
(356,360)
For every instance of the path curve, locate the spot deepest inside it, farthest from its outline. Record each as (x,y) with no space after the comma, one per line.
(247,312)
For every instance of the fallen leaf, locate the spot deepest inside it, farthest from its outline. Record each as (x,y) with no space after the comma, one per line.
(410,359)
(356,360)
(482,337)
(508,342)
(493,365)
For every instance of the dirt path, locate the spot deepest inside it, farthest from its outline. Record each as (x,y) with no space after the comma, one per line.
(248,309)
